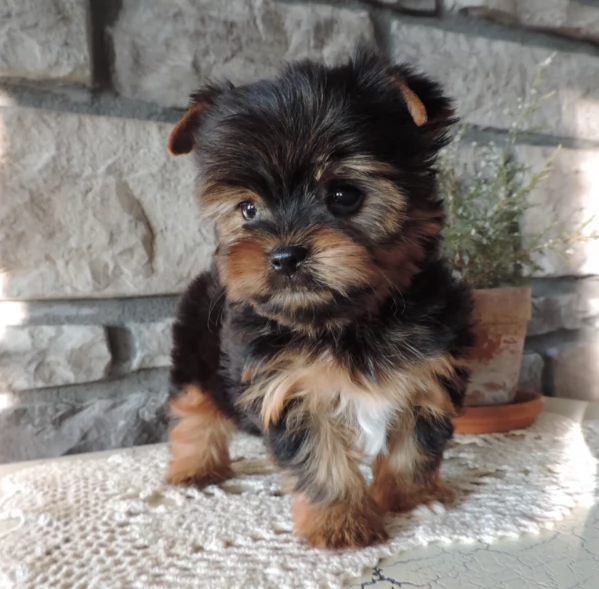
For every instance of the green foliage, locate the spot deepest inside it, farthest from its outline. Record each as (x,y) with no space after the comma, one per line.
(488,192)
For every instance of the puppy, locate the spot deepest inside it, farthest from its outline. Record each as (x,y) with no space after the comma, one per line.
(329,322)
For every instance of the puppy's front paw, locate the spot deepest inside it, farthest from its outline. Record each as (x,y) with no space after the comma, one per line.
(339,525)
(395,497)
(197,476)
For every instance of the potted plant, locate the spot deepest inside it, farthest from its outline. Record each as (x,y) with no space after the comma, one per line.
(487,191)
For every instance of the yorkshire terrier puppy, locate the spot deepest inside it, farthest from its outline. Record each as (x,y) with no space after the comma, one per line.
(330,323)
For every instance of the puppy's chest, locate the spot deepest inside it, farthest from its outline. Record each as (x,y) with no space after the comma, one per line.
(322,388)
(369,420)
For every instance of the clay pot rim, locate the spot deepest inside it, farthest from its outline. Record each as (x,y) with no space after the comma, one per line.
(521,398)
(519,414)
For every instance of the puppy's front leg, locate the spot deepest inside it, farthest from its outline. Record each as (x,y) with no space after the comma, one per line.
(199,438)
(408,474)
(331,507)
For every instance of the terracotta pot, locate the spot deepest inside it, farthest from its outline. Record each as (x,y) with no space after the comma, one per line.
(501,316)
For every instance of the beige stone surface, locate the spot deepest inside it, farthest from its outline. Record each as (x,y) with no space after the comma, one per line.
(569,18)
(575,370)
(50,429)
(531,373)
(94,207)
(551,313)
(45,40)
(566,200)
(487,76)
(43,356)
(164,50)
(152,344)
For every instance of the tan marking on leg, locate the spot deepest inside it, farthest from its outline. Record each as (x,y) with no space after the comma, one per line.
(404,479)
(339,525)
(199,442)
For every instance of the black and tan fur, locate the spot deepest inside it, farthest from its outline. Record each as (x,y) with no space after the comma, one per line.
(361,352)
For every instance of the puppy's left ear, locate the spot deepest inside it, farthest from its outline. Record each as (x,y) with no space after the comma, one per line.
(183,136)
(423,98)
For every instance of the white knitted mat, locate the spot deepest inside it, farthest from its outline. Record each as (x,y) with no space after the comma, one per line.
(111,522)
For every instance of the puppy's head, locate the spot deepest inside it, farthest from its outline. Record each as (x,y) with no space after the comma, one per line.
(321,185)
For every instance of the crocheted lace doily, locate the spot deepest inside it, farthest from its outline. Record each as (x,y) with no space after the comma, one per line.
(111,522)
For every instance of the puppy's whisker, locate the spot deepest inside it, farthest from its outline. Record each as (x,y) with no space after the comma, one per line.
(394,289)
(213,304)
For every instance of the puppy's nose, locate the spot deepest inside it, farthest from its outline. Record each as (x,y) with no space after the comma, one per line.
(287,259)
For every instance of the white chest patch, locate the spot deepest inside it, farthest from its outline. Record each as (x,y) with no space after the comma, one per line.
(372,420)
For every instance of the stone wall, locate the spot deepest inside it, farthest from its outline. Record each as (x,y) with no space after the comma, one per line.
(98,228)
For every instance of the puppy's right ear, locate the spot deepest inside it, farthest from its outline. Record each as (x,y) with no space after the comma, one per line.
(424,99)
(182,137)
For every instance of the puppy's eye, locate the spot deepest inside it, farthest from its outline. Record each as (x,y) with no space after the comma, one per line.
(344,199)
(248,210)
